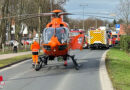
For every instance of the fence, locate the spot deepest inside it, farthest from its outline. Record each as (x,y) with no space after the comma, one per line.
(9,48)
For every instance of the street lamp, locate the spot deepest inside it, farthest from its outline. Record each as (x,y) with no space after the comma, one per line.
(83,5)
(113,15)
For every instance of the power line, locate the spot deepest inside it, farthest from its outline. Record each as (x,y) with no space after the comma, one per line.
(96,16)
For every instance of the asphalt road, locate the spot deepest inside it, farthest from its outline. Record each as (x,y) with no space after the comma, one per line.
(55,76)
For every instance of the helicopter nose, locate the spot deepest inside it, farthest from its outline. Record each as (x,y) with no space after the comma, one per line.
(54,42)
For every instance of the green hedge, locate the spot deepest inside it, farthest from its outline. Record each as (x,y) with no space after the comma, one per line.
(125,43)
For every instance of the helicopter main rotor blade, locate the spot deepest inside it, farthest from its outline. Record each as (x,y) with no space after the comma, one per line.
(38,15)
(65,13)
(18,16)
(46,14)
(28,15)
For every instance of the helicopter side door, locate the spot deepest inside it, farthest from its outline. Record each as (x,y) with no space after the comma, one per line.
(77,42)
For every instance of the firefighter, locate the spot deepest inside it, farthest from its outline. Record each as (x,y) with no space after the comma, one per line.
(35,48)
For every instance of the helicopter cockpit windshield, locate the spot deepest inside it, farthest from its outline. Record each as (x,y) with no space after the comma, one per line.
(61,33)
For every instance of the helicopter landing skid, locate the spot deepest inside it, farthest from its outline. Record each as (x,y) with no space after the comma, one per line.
(44,59)
(41,60)
(74,61)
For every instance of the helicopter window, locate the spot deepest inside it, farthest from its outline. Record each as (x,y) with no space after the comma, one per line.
(62,34)
(74,33)
(48,33)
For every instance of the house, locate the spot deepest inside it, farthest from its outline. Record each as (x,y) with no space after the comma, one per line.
(122,29)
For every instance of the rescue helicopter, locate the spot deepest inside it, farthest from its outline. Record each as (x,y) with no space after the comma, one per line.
(55,39)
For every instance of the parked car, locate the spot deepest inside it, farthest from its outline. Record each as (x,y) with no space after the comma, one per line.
(29,41)
(26,42)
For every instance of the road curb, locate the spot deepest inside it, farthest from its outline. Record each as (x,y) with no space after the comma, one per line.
(17,62)
(106,83)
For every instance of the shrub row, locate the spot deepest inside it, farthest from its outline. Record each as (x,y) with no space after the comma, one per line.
(125,43)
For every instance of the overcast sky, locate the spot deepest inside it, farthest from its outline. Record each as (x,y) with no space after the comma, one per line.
(94,6)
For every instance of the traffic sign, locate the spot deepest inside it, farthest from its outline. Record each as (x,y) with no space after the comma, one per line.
(117,26)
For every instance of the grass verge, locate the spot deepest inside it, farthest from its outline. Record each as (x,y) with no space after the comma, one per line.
(118,66)
(14,60)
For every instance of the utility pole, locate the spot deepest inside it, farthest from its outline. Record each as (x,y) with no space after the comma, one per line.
(51,4)
(83,5)
(96,22)
(39,27)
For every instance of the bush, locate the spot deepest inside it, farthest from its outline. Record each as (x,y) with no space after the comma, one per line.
(125,43)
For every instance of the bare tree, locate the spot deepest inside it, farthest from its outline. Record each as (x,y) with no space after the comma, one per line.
(124,13)
(20,7)
(90,22)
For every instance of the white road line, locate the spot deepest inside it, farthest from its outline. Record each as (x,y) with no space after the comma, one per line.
(104,78)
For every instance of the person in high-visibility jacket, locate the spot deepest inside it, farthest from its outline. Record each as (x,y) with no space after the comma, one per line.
(35,48)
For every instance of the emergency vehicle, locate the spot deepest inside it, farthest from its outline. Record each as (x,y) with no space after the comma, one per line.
(98,39)
(116,36)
